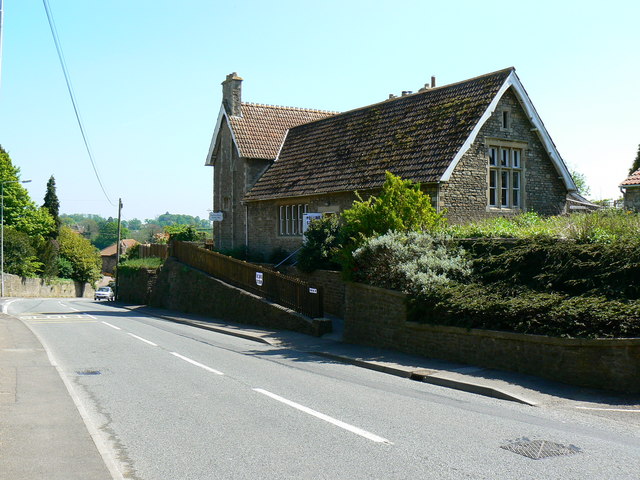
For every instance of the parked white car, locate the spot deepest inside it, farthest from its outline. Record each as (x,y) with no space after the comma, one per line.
(104,293)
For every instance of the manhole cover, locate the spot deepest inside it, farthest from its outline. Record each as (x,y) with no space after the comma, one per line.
(538,449)
(88,372)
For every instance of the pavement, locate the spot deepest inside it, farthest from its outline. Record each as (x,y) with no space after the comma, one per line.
(39,419)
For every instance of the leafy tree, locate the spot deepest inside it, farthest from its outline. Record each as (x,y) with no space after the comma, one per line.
(636,163)
(16,197)
(401,207)
(581,183)
(20,257)
(133,224)
(183,233)
(84,258)
(322,242)
(109,234)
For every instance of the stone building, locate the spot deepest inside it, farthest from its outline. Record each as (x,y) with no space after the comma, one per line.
(631,191)
(477,147)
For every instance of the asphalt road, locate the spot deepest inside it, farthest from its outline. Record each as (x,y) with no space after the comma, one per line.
(169,401)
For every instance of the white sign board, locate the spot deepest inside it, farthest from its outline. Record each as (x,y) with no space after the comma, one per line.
(259,279)
(215,216)
(313,290)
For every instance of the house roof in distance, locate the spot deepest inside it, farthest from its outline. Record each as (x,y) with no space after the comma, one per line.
(632,180)
(419,136)
(125,244)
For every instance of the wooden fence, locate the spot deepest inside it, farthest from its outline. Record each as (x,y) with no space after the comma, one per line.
(276,287)
(154,250)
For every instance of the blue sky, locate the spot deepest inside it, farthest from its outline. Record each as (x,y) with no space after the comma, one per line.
(147,80)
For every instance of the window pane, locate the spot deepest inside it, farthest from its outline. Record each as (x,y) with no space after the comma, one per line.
(281,215)
(515,195)
(504,159)
(516,159)
(493,156)
(504,188)
(493,183)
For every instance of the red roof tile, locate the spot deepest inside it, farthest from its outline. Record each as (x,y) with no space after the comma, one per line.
(261,129)
(633,179)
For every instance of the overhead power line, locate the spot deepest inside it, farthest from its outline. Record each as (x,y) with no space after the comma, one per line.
(67,78)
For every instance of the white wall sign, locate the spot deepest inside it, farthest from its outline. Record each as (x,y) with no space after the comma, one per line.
(259,279)
(215,216)
(313,290)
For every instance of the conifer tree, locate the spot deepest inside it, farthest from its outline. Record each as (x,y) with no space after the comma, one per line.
(51,202)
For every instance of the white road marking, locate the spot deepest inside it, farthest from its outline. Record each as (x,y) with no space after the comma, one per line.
(326,418)
(143,340)
(90,316)
(5,305)
(67,306)
(610,409)
(112,326)
(197,364)
(102,442)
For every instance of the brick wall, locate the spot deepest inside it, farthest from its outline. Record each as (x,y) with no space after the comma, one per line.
(465,195)
(377,317)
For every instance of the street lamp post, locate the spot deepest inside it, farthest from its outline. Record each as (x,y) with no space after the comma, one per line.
(2,230)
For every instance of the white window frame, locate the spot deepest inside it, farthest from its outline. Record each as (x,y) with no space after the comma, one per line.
(505,177)
(290,219)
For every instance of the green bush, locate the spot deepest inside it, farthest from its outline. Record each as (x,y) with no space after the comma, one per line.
(527,311)
(131,266)
(610,269)
(412,262)
(600,227)
(322,241)
(20,257)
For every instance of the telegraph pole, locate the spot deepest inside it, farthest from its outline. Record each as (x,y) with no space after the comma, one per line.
(117,243)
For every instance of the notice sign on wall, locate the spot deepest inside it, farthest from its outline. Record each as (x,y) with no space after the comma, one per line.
(259,279)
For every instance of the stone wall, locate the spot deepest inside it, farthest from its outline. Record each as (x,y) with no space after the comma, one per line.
(15,286)
(332,285)
(632,199)
(137,287)
(377,317)
(465,195)
(179,287)
(264,232)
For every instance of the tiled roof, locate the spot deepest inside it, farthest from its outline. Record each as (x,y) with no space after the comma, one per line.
(260,131)
(125,244)
(633,179)
(415,137)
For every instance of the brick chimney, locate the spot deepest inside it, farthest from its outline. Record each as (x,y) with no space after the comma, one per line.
(232,94)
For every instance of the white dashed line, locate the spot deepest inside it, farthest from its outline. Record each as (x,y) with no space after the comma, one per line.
(143,340)
(197,364)
(112,326)
(326,418)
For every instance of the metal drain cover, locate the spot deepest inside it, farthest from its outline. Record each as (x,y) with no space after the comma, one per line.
(538,449)
(88,372)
